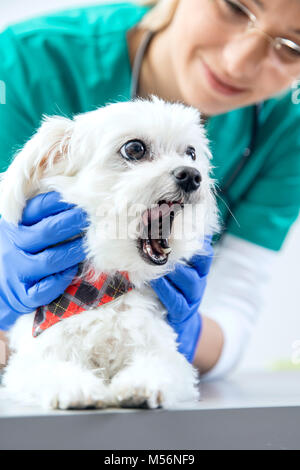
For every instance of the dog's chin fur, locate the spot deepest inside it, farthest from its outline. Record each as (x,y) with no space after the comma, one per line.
(125,353)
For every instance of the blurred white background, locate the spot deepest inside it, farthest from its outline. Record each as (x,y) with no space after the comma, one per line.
(279,326)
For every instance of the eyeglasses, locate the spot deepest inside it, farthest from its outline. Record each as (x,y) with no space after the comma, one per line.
(235,13)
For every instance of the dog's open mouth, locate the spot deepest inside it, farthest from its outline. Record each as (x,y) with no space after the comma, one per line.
(156,227)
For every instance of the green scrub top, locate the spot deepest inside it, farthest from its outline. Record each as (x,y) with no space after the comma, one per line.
(77,60)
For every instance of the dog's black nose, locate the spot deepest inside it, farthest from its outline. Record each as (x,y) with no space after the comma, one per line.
(187,178)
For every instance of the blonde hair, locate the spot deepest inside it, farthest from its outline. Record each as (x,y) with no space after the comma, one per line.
(160,16)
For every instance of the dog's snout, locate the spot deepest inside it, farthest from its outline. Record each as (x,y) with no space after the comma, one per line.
(187,178)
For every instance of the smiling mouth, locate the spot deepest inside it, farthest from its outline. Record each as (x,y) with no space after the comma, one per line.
(217,83)
(156,227)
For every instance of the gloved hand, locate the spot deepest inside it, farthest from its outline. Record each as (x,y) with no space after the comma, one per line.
(181,292)
(31,273)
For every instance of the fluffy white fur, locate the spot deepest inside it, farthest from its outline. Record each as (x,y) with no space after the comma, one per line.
(123,354)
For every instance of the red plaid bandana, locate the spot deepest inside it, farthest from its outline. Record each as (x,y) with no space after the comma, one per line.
(79,297)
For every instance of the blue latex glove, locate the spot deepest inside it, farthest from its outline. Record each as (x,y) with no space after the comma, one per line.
(181,292)
(31,273)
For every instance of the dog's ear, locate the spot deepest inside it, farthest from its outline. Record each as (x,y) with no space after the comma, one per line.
(46,154)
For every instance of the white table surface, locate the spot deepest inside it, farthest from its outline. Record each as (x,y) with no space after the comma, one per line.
(257,410)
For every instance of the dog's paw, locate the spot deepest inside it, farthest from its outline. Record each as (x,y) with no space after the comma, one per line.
(76,390)
(129,390)
(152,382)
(139,397)
(74,401)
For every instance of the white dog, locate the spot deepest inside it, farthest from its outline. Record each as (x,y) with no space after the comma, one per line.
(123,353)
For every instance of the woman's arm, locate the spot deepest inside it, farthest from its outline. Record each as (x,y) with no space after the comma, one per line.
(3,349)
(232,302)
(209,347)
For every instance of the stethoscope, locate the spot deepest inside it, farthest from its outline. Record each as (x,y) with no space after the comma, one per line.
(246,155)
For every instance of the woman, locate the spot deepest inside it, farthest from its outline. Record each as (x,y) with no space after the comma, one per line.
(220,56)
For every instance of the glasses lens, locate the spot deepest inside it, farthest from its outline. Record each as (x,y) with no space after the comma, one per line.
(237,15)
(287,53)
(232,12)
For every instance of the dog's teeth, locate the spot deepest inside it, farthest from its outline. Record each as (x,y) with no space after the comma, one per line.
(166,250)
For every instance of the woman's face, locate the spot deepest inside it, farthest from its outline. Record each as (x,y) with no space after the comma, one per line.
(209,36)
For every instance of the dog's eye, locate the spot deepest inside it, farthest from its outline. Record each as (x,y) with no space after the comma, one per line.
(133,150)
(191,152)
